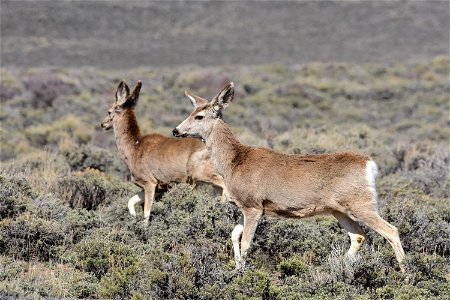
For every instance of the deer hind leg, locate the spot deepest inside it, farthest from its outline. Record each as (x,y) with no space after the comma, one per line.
(135,200)
(149,196)
(357,235)
(251,218)
(373,220)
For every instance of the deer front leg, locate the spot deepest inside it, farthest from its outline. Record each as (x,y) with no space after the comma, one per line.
(223,197)
(149,196)
(206,173)
(251,218)
(235,238)
(135,200)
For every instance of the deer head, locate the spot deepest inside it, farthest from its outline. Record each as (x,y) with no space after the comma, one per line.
(124,100)
(201,120)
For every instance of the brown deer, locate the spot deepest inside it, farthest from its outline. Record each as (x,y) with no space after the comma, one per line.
(261,181)
(153,159)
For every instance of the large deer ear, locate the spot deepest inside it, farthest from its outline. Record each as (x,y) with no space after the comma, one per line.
(223,99)
(122,93)
(132,100)
(196,100)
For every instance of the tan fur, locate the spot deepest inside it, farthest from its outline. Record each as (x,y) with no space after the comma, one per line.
(153,159)
(261,181)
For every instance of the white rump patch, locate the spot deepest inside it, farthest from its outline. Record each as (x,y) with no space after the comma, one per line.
(371,174)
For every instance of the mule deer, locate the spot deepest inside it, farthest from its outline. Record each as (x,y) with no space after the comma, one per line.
(261,181)
(154,159)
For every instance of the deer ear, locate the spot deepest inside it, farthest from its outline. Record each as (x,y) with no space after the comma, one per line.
(132,100)
(224,97)
(122,93)
(195,100)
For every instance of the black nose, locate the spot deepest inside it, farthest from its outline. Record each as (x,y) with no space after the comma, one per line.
(175,132)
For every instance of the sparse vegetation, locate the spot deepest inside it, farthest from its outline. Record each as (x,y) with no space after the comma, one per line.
(65,231)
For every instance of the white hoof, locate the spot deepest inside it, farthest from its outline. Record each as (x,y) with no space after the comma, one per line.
(240,265)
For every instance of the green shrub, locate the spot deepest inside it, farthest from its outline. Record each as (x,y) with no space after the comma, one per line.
(365,270)
(294,288)
(78,223)
(99,254)
(295,265)
(197,213)
(116,214)
(28,237)
(42,168)
(10,267)
(179,215)
(423,227)
(15,195)
(91,157)
(404,292)
(431,175)
(116,283)
(423,267)
(438,288)
(184,272)
(252,284)
(37,280)
(49,207)
(50,135)
(91,188)
(9,87)
(282,237)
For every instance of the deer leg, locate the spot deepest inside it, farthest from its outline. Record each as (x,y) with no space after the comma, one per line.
(373,220)
(206,173)
(235,237)
(357,235)
(149,196)
(221,184)
(217,181)
(251,218)
(135,200)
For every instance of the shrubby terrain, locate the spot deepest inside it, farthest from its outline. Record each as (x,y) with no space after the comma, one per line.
(65,231)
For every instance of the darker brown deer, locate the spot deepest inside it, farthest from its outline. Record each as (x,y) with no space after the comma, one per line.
(261,181)
(154,159)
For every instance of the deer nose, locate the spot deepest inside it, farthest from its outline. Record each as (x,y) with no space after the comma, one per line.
(175,132)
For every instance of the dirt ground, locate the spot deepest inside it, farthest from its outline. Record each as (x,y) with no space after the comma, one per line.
(128,34)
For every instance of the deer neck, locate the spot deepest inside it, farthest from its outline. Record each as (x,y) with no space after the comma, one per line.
(223,146)
(127,134)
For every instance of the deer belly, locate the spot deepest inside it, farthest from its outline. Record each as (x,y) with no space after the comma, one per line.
(279,209)
(169,176)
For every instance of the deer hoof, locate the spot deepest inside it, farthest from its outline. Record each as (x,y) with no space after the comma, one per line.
(240,266)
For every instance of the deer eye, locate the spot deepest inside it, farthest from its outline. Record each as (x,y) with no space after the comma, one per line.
(198,117)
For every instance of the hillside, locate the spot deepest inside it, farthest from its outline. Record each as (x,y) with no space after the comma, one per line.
(65,231)
(130,34)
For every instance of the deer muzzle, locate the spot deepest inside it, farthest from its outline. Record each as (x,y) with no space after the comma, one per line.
(176,133)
